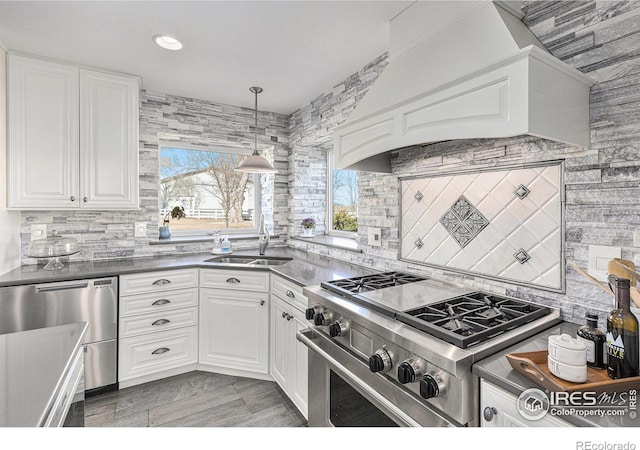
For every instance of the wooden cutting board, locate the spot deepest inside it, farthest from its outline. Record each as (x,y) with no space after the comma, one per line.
(533,365)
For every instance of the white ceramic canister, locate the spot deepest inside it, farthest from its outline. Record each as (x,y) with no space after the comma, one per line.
(567,358)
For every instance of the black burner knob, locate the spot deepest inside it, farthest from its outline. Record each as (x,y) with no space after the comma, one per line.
(318,319)
(406,374)
(310,313)
(376,364)
(335,329)
(429,387)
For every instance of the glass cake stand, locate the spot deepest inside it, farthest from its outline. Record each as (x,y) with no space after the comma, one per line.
(53,248)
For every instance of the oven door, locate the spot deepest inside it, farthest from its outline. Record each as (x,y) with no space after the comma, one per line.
(343,392)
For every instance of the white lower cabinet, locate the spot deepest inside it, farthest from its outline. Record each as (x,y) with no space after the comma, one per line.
(156,352)
(289,357)
(234,329)
(158,325)
(499,408)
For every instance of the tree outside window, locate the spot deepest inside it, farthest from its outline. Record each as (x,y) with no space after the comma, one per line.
(343,199)
(213,195)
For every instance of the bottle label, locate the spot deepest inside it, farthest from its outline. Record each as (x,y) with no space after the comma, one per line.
(591,349)
(615,347)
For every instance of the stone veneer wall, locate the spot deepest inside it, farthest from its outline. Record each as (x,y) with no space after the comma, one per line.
(182,121)
(601,39)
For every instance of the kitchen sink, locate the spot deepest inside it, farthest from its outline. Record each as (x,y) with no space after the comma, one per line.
(250,260)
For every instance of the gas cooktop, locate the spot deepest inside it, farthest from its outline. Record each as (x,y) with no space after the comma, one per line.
(453,314)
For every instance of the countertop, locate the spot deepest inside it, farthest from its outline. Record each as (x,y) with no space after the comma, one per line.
(33,366)
(497,370)
(305,269)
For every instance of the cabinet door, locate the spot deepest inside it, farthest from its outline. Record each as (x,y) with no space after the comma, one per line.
(299,383)
(109,140)
(505,410)
(234,329)
(280,335)
(43,134)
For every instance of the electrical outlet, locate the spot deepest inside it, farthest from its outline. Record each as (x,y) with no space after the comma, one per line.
(374,237)
(141,229)
(599,257)
(38,231)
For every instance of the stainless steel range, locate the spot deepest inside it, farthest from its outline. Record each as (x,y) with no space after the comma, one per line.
(396,349)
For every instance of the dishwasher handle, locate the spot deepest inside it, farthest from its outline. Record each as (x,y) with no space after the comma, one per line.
(61,286)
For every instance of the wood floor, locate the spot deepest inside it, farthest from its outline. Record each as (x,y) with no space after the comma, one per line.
(195,399)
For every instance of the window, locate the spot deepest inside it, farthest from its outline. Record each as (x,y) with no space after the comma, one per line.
(213,195)
(342,199)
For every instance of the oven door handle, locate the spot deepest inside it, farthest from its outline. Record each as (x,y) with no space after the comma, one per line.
(303,336)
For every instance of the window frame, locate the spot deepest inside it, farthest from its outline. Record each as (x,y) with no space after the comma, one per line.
(329,207)
(199,232)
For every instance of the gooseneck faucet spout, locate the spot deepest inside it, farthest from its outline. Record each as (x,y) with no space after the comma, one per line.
(263,236)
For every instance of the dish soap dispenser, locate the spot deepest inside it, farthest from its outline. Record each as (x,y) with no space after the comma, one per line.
(226,244)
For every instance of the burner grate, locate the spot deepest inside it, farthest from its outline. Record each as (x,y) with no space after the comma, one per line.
(473,318)
(349,286)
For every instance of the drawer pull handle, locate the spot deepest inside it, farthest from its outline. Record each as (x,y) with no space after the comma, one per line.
(233,280)
(290,294)
(162,301)
(161,281)
(160,351)
(161,322)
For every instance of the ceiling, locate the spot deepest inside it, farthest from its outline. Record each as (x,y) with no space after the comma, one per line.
(295,50)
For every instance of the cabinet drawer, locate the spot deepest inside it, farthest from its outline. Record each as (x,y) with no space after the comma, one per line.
(158,281)
(288,291)
(234,279)
(160,321)
(150,353)
(158,301)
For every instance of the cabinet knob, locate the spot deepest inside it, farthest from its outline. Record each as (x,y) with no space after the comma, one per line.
(72,198)
(289,317)
(284,314)
(489,412)
(85,199)
(261,302)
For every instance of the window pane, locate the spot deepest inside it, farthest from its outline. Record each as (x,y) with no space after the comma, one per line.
(204,183)
(345,200)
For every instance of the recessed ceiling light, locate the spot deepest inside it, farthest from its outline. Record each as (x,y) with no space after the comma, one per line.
(168,42)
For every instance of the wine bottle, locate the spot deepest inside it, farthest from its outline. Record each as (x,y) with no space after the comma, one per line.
(622,334)
(595,340)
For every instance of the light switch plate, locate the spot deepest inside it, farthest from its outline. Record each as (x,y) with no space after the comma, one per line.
(38,231)
(141,229)
(599,257)
(374,237)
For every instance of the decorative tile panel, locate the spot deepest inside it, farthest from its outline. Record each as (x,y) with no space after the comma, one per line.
(500,224)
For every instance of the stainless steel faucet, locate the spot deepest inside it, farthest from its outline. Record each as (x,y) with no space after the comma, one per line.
(263,236)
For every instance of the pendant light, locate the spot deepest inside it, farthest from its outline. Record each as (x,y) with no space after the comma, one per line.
(255,163)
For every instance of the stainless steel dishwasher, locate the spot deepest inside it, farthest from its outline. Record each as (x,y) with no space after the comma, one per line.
(48,304)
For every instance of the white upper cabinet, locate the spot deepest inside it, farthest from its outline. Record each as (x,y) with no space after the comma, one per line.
(108,140)
(43,134)
(73,137)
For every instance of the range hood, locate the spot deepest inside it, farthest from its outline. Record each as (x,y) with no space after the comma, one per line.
(463,70)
